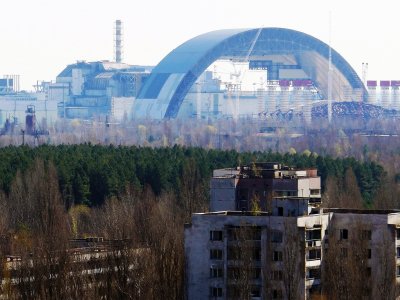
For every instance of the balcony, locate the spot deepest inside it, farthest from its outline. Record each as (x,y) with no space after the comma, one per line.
(313,244)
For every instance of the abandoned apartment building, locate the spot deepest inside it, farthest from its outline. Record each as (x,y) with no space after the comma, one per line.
(267,237)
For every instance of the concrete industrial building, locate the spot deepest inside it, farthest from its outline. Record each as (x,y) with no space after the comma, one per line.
(87,90)
(266,236)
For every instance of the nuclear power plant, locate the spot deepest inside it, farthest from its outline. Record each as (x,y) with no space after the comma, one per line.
(235,73)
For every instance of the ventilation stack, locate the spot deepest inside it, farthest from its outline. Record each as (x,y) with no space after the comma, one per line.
(118,41)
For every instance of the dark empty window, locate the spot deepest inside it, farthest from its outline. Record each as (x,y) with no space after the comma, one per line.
(344,234)
(314,192)
(234,253)
(313,235)
(398,252)
(256,254)
(215,235)
(216,272)
(314,273)
(370,253)
(256,273)
(280,211)
(215,292)
(256,291)
(276,294)
(314,254)
(277,256)
(215,254)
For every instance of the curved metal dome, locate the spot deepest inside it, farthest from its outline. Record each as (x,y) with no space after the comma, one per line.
(172,78)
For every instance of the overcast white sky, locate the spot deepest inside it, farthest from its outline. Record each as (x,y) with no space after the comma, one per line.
(39,38)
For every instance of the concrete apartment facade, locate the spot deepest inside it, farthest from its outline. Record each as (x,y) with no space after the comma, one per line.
(267,237)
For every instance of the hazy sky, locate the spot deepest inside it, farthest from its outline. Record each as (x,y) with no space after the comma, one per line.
(39,38)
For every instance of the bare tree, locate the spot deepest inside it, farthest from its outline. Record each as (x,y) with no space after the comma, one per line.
(244,252)
(346,271)
(293,265)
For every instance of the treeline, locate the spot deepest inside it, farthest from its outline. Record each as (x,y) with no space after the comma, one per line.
(88,174)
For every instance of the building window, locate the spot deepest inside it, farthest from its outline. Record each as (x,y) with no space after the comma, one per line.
(370,253)
(256,254)
(276,294)
(280,211)
(398,252)
(398,271)
(216,254)
(369,271)
(314,273)
(367,235)
(315,192)
(255,291)
(314,254)
(234,253)
(256,273)
(233,273)
(277,275)
(216,272)
(216,292)
(216,235)
(313,235)
(344,234)
(277,256)
(276,236)
(398,233)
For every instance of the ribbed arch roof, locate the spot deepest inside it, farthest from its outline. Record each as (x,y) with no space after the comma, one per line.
(188,61)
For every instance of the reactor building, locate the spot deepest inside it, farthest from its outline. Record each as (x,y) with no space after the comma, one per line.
(86,90)
(297,70)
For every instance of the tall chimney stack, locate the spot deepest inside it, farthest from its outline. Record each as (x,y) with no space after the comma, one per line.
(118,41)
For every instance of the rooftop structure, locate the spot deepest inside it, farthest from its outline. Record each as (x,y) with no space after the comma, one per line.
(263,185)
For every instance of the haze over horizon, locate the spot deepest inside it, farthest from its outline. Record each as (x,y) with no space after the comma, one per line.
(40,38)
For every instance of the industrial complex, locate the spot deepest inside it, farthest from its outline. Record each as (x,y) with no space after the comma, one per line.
(234,73)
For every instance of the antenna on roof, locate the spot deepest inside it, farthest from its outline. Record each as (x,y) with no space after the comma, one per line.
(118,41)
(330,71)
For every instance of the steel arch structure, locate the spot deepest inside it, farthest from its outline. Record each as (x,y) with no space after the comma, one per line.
(163,92)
